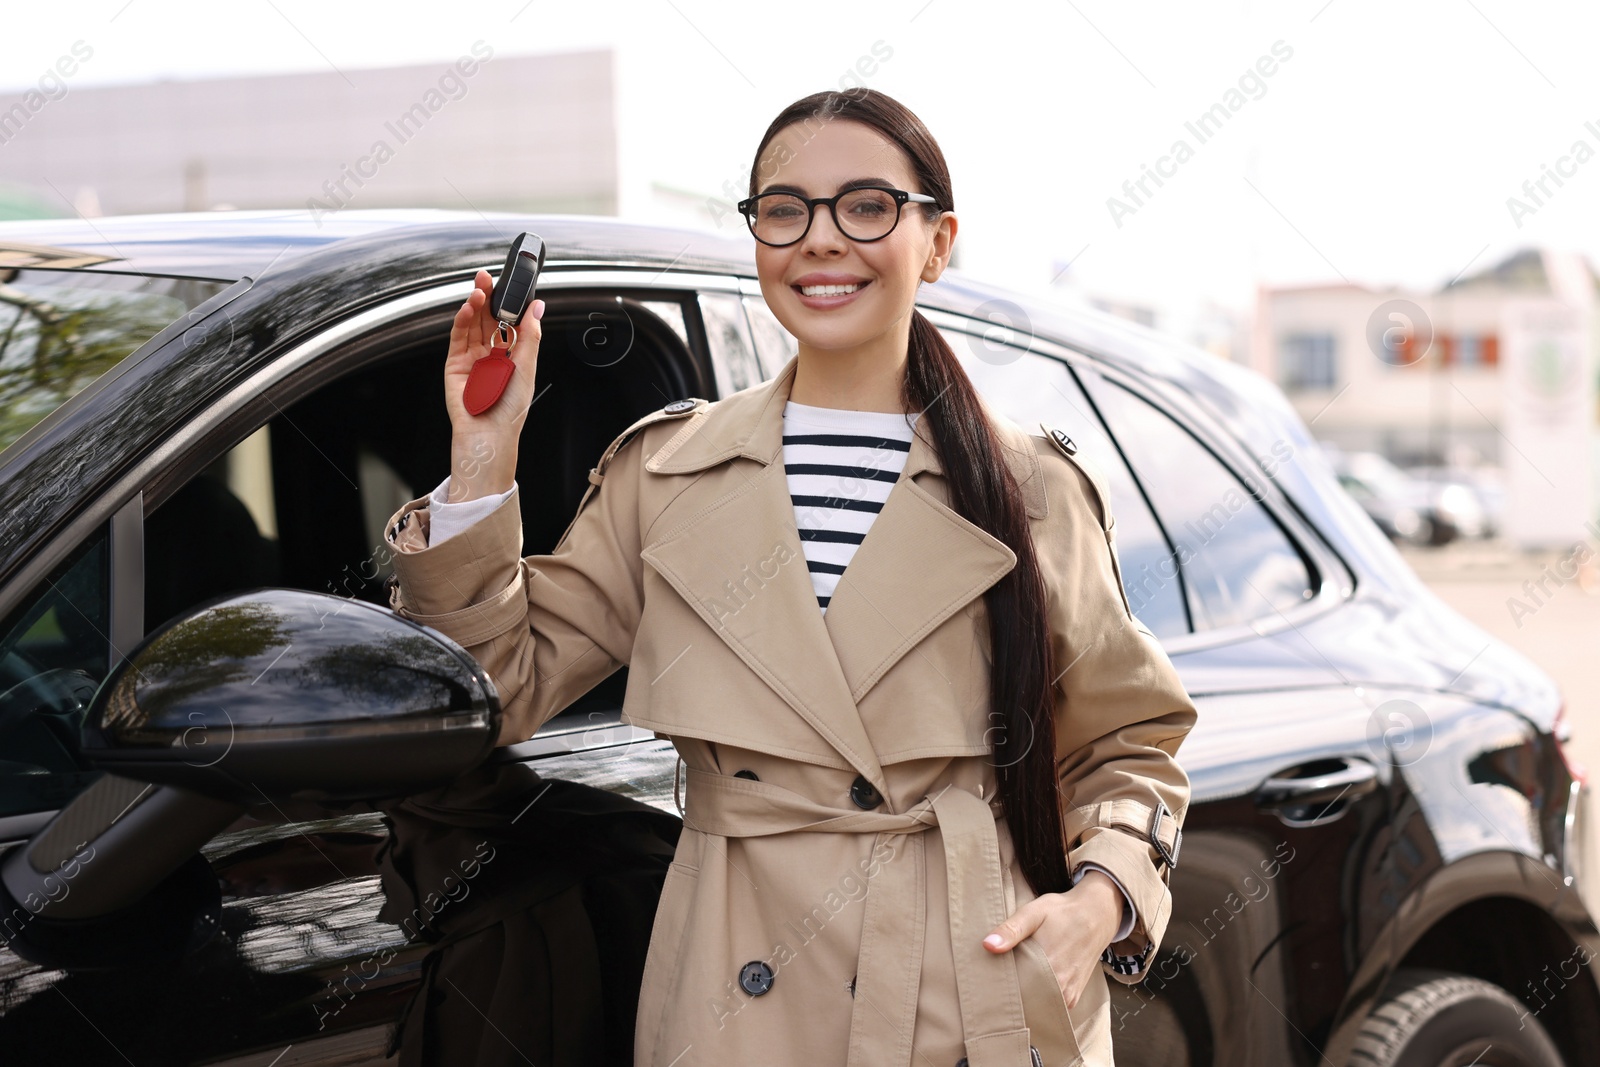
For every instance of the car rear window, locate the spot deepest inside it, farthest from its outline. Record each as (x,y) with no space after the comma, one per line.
(62,329)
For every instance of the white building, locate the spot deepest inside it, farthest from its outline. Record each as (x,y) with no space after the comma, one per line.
(457,134)
(1497,368)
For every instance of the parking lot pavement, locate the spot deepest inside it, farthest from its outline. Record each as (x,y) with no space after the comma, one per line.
(1523,599)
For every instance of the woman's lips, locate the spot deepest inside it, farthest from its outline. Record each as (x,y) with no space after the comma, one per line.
(832,300)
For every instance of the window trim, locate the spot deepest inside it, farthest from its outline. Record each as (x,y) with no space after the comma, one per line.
(125,583)
(1314,571)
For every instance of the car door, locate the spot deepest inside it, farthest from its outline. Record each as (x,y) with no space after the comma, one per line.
(287,481)
(1291,790)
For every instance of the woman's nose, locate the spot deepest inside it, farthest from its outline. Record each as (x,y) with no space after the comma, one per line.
(823,236)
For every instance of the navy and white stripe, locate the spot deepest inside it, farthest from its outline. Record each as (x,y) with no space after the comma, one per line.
(840,467)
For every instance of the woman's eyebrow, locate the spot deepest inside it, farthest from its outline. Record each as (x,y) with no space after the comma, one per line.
(853,183)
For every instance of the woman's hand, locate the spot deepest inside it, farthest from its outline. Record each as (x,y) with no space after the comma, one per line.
(1073,928)
(483,448)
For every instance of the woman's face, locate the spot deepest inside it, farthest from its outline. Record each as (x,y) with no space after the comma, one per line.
(818,159)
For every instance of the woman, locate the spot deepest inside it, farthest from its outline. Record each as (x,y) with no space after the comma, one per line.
(892,853)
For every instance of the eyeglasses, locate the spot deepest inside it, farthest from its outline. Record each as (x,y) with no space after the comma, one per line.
(869,214)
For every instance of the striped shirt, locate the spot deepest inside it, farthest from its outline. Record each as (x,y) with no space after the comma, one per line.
(840,465)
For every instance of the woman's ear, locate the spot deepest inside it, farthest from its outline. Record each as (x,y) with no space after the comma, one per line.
(944,238)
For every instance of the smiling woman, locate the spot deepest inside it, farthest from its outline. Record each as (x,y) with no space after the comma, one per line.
(846,711)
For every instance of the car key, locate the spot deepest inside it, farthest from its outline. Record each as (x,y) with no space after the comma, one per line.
(511,297)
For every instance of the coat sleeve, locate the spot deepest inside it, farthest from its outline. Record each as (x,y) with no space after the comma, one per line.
(1121,710)
(546,628)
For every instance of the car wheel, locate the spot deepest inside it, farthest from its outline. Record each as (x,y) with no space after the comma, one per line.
(1439,1019)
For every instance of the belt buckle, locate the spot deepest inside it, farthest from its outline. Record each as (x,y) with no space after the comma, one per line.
(1168,855)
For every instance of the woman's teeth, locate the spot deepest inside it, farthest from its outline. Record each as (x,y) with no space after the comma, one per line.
(829,290)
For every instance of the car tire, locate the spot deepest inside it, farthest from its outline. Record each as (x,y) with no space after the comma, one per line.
(1439,1019)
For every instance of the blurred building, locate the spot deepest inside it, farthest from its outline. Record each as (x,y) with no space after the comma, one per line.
(1496,368)
(1198,320)
(483,131)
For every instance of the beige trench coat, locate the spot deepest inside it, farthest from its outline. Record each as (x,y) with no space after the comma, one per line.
(844,851)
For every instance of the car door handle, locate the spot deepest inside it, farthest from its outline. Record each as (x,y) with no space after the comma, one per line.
(1297,797)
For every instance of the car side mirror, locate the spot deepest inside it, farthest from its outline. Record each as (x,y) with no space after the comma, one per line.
(286,694)
(275,694)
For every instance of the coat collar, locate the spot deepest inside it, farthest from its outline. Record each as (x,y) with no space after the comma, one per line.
(737,560)
(749,423)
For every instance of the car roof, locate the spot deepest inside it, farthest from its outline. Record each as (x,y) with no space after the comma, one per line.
(229,245)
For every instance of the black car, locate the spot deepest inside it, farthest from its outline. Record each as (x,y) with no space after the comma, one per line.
(1381,864)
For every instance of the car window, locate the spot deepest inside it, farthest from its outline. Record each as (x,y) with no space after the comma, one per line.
(54,653)
(62,329)
(732,348)
(303,501)
(1239,563)
(775,345)
(1030,388)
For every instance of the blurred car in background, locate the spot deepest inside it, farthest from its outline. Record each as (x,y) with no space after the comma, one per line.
(1384,852)
(1487,484)
(1406,508)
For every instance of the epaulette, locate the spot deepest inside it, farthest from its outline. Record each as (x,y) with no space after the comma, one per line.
(675,410)
(597,474)
(1102,492)
(1091,470)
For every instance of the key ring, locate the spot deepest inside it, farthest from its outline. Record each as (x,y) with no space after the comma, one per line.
(499,335)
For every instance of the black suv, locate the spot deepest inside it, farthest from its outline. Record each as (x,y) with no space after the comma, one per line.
(1381,863)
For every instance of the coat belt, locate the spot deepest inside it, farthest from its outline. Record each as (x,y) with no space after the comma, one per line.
(889,970)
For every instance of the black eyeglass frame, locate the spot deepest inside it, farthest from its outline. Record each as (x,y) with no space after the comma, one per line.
(901,198)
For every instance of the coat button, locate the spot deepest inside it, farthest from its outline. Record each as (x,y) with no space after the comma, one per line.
(746,774)
(1066,443)
(865,796)
(679,405)
(755,978)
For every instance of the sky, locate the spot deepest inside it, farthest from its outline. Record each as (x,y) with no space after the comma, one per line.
(1353,140)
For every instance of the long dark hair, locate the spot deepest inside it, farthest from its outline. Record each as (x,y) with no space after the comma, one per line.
(984,492)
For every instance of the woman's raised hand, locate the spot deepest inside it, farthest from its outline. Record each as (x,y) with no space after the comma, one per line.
(483,448)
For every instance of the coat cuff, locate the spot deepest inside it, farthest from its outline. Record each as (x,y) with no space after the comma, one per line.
(471,586)
(1129,860)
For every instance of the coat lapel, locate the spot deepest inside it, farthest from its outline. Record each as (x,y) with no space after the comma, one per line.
(738,562)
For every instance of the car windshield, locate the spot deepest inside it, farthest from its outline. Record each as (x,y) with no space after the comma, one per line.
(62,329)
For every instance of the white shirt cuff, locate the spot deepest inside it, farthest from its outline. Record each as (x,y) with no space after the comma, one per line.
(1128,916)
(446,520)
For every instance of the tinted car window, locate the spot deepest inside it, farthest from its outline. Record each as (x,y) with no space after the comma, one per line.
(774,344)
(60,330)
(1031,388)
(53,655)
(1238,563)
(728,334)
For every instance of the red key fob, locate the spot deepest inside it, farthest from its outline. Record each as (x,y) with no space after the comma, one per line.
(487,381)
